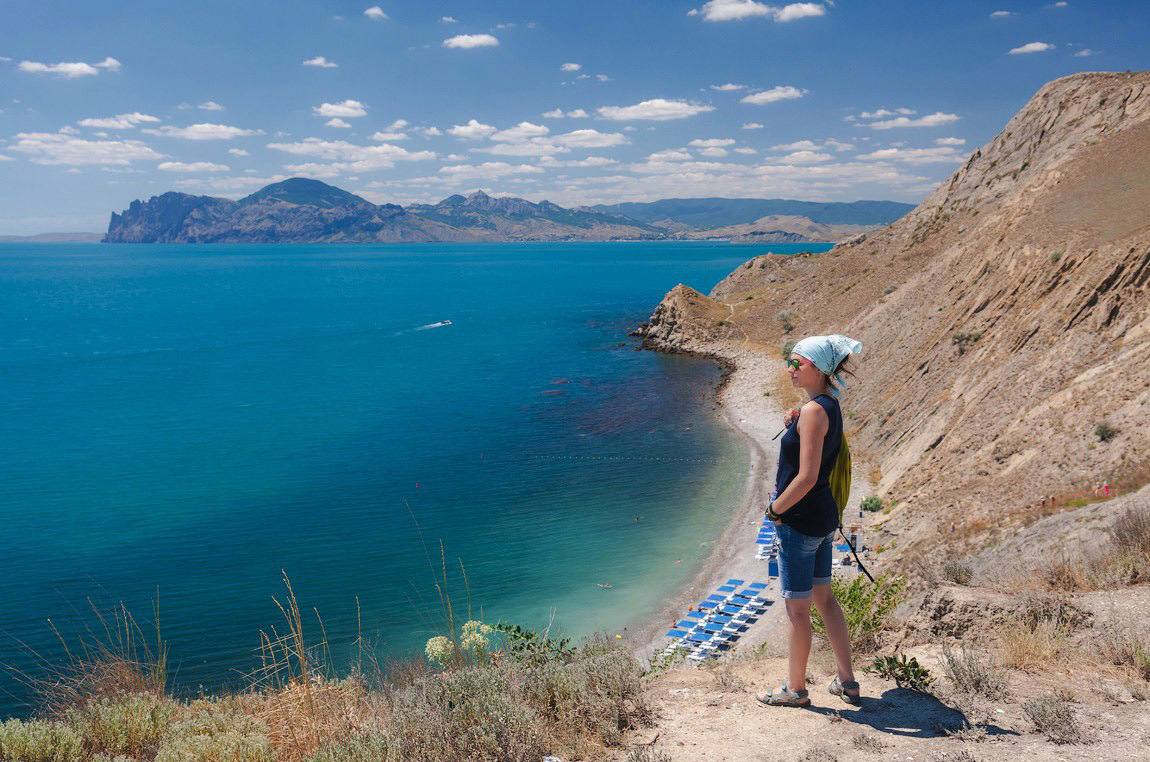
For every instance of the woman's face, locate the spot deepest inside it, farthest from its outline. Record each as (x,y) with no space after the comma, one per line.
(805,375)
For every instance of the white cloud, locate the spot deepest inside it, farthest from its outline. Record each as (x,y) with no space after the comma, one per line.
(196,166)
(519,133)
(337,122)
(428,132)
(234,186)
(1002,14)
(69,70)
(570,67)
(728,87)
(669,155)
(838,145)
(349,157)
(780,93)
(388,137)
(61,148)
(798,145)
(9,158)
(205,131)
(752,126)
(590,161)
(737,10)
(1086,52)
(375,13)
(534,147)
(745,150)
(711,143)
(713,152)
(882,112)
(488,170)
(210,106)
(397,125)
(348,108)
(560,114)
(1061,4)
(930,120)
(949,141)
(591,139)
(1031,47)
(602,78)
(656,109)
(321,62)
(238,152)
(119,121)
(470,41)
(804,157)
(940,155)
(473,130)
(447,20)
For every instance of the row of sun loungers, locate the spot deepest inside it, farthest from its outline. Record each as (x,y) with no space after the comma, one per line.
(719,620)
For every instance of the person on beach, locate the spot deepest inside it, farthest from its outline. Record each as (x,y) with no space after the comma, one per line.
(806,516)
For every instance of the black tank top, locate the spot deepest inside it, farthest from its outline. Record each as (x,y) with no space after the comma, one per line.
(816,514)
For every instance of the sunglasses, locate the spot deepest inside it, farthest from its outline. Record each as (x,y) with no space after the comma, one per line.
(794,363)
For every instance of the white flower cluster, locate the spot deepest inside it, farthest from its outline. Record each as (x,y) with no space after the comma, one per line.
(473,640)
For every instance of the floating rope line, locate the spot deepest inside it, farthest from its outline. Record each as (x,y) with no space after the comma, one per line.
(627,457)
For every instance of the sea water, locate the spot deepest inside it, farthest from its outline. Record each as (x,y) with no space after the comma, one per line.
(189,423)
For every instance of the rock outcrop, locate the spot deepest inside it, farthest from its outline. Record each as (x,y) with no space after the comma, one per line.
(1004,319)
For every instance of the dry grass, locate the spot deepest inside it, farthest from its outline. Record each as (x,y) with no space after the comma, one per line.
(971,675)
(1031,648)
(1054,719)
(492,705)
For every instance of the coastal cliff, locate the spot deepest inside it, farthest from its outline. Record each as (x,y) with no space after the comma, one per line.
(1004,319)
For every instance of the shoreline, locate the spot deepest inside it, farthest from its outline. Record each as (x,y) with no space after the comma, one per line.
(756,418)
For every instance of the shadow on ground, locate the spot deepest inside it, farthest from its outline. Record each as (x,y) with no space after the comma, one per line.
(903,712)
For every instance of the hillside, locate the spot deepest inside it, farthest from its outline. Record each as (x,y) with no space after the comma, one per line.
(300,210)
(1004,319)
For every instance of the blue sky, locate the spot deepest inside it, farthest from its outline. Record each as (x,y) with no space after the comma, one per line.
(576,102)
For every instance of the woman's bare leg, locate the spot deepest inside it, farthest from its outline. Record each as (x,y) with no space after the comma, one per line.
(837,633)
(798,642)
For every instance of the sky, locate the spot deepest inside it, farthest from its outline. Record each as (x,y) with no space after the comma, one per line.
(578,103)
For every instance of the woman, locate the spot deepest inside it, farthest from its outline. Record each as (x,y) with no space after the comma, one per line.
(806,515)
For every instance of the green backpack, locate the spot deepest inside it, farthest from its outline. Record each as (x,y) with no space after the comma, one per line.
(841,478)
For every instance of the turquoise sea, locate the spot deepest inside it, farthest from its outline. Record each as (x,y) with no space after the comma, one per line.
(191,420)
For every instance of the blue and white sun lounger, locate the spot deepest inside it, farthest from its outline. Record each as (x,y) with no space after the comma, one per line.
(694,614)
(727,589)
(735,581)
(705,605)
(732,610)
(716,597)
(676,634)
(700,637)
(757,585)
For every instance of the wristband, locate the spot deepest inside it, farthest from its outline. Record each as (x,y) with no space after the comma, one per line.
(771,512)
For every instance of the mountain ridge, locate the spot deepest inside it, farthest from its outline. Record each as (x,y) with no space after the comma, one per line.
(303,210)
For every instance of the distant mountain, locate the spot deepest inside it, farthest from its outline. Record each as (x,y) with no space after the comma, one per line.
(707,213)
(300,210)
(53,238)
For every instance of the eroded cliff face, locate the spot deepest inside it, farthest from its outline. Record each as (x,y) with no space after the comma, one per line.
(1004,318)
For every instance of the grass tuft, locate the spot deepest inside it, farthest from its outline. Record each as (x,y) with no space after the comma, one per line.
(971,675)
(1053,719)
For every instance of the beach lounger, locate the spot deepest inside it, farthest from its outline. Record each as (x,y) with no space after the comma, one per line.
(727,589)
(735,581)
(676,633)
(716,597)
(757,585)
(694,615)
(731,610)
(705,605)
(699,637)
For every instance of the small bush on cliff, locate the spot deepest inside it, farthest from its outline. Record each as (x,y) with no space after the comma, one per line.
(1053,719)
(1104,431)
(867,607)
(971,675)
(872,504)
(35,741)
(907,673)
(788,347)
(964,340)
(957,572)
(787,318)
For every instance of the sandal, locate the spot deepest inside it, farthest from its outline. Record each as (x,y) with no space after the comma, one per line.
(784,696)
(840,688)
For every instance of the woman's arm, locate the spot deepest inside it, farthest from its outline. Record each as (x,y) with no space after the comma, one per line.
(813,426)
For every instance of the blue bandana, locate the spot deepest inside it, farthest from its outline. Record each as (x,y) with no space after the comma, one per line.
(826,352)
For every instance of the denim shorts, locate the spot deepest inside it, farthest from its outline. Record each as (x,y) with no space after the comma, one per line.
(804,561)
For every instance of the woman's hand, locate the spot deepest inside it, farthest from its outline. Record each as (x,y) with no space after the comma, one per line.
(790,416)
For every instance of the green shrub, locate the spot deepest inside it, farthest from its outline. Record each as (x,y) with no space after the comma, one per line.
(963,340)
(1104,431)
(787,318)
(971,675)
(1055,255)
(867,607)
(907,673)
(872,504)
(889,290)
(957,572)
(35,741)
(216,735)
(128,725)
(359,748)
(1053,719)
(788,347)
